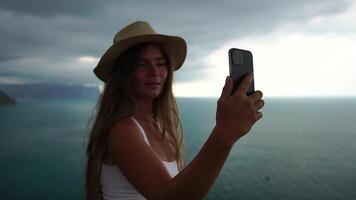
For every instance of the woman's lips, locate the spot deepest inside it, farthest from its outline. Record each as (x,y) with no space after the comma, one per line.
(153,84)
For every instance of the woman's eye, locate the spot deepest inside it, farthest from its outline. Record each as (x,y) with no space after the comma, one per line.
(142,64)
(162,64)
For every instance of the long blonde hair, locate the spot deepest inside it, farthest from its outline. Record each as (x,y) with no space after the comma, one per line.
(116,102)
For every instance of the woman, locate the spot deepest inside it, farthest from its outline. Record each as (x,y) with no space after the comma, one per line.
(135,145)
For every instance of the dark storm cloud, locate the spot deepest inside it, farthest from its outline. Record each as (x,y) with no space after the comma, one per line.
(207,25)
(50,8)
(59,30)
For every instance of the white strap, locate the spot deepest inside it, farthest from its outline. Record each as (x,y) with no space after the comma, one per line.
(143,133)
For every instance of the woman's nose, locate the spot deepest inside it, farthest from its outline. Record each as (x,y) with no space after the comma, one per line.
(154,68)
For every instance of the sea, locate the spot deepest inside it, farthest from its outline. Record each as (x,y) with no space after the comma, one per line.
(302,148)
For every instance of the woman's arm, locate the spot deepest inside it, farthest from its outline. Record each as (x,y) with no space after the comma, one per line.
(197,178)
(235,116)
(143,168)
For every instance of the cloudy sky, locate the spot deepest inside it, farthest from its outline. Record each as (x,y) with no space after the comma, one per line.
(300,47)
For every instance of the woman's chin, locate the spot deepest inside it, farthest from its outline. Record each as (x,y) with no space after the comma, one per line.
(152,95)
(155,95)
(154,92)
(149,93)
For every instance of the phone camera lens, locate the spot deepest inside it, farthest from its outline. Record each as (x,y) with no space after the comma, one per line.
(237,57)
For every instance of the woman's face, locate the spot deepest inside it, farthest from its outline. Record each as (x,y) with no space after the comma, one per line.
(151,73)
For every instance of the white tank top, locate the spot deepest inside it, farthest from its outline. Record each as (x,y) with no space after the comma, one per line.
(116,186)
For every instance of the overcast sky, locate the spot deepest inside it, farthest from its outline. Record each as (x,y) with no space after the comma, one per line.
(300,47)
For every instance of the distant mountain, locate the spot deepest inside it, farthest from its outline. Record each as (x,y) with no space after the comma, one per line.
(50,90)
(6,100)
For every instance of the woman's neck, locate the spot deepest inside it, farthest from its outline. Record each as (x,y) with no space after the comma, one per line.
(144,110)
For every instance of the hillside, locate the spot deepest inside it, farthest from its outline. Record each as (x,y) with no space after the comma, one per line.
(6,100)
(49,90)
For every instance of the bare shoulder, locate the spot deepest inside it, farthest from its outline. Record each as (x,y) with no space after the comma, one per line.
(123,130)
(135,159)
(122,125)
(125,141)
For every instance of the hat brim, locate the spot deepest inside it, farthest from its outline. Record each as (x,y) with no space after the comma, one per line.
(173,45)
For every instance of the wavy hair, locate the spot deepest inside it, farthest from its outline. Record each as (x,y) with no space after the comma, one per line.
(117,101)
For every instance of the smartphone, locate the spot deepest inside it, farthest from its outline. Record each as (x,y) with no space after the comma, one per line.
(240,64)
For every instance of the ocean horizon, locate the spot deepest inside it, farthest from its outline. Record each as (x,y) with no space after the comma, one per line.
(302,148)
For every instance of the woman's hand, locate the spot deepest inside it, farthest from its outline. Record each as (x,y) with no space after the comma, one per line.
(237,113)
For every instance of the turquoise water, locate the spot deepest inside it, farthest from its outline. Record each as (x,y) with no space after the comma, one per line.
(301,149)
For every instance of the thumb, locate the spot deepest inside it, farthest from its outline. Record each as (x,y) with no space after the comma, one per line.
(226,92)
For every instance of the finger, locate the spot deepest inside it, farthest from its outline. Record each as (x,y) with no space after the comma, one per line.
(245,84)
(226,92)
(256,96)
(259,104)
(258,116)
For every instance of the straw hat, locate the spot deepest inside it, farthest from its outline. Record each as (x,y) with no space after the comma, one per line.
(136,33)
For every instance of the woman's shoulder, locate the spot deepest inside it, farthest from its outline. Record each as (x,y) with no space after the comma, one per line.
(123,124)
(124,131)
(124,136)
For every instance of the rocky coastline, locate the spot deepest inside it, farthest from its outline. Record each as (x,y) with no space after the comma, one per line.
(6,99)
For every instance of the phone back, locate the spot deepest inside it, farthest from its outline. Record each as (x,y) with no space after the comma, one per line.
(240,64)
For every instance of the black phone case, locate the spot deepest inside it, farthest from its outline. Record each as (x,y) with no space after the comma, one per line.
(240,64)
